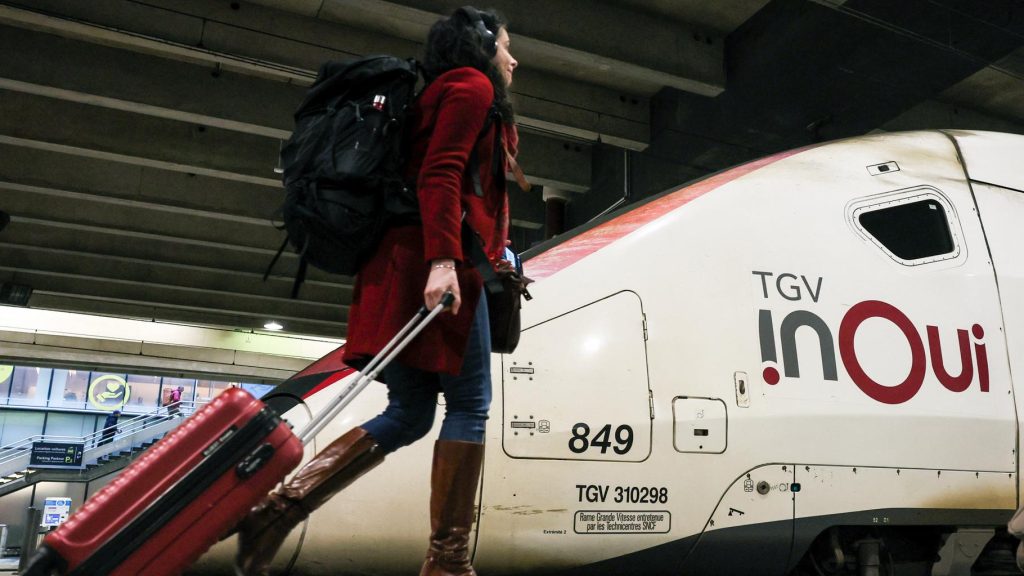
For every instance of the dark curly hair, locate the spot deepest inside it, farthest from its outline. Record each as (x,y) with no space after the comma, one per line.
(453,42)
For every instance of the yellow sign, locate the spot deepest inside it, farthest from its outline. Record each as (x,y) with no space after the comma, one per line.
(109,392)
(5,372)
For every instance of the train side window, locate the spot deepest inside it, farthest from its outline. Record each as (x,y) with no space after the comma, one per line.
(914,226)
(911,231)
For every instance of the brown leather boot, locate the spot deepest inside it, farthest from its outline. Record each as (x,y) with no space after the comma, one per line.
(267,525)
(453,484)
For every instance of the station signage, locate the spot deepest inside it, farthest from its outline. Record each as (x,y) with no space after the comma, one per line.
(56,455)
(109,392)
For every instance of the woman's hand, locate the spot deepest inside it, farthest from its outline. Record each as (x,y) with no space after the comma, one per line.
(442,279)
(504,266)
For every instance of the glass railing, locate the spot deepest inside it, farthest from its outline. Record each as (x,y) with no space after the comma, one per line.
(125,427)
(69,404)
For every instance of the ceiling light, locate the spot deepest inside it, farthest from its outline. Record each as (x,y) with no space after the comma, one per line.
(273,325)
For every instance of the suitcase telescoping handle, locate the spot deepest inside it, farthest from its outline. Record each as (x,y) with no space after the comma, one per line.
(373,368)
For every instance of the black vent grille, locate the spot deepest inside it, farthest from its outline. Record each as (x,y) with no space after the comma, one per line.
(15,294)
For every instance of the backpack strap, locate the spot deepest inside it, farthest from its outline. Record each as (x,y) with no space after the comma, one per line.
(472,247)
(473,166)
(276,257)
(300,275)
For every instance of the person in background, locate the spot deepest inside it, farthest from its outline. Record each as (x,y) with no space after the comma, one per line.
(109,428)
(174,406)
(462,142)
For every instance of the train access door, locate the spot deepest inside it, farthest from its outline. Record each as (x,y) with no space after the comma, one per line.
(576,388)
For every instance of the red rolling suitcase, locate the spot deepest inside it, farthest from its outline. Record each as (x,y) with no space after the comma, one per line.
(171,505)
(168,507)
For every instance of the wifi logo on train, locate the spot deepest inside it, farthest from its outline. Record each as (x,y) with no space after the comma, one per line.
(973,359)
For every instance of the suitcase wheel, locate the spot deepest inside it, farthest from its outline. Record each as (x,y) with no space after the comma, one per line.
(45,562)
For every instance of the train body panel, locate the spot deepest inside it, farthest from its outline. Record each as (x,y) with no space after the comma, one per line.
(811,351)
(998,185)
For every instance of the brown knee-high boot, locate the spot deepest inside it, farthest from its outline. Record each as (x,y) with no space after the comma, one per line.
(263,531)
(453,484)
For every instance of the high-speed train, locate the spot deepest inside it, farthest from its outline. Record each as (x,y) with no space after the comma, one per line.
(802,365)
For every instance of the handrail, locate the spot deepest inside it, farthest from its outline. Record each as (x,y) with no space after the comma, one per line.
(126,428)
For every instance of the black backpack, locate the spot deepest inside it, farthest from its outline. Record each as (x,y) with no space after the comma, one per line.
(343,165)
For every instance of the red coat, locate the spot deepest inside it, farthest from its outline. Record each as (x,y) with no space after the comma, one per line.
(446,125)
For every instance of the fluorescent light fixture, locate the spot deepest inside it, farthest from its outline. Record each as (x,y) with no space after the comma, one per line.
(273,325)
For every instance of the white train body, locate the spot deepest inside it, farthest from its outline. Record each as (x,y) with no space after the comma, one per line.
(710,381)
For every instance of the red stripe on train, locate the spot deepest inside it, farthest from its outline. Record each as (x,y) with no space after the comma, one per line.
(346,371)
(575,249)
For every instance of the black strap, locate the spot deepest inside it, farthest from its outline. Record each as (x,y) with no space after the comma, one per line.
(471,244)
(474,172)
(276,256)
(473,165)
(471,247)
(300,276)
(498,150)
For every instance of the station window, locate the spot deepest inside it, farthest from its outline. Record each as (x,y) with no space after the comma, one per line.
(30,386)
(6,370)
(206,390)
(69,388)
(170,384)
(145,392)
(911,231)
(38,388)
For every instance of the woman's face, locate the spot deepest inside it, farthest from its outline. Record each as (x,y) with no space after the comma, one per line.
(503,59)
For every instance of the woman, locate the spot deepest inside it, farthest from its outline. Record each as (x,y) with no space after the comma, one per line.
(462,137)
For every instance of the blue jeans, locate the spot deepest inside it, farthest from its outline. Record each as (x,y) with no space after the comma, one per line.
(412,395)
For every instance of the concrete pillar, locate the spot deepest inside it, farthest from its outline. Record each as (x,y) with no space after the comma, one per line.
(554,211)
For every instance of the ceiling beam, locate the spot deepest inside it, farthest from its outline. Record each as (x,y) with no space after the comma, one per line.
(205,88)
(117,241)
(144,109)
(555,162)
(603,47)
(51,169)
(137,287)
(115,135)
(88,152)
(105,130)
(116,289)
(83,28)
(203,227)
(83,262)
(81,71)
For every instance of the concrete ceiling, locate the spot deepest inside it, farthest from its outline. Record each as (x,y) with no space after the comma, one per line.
(138,138)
